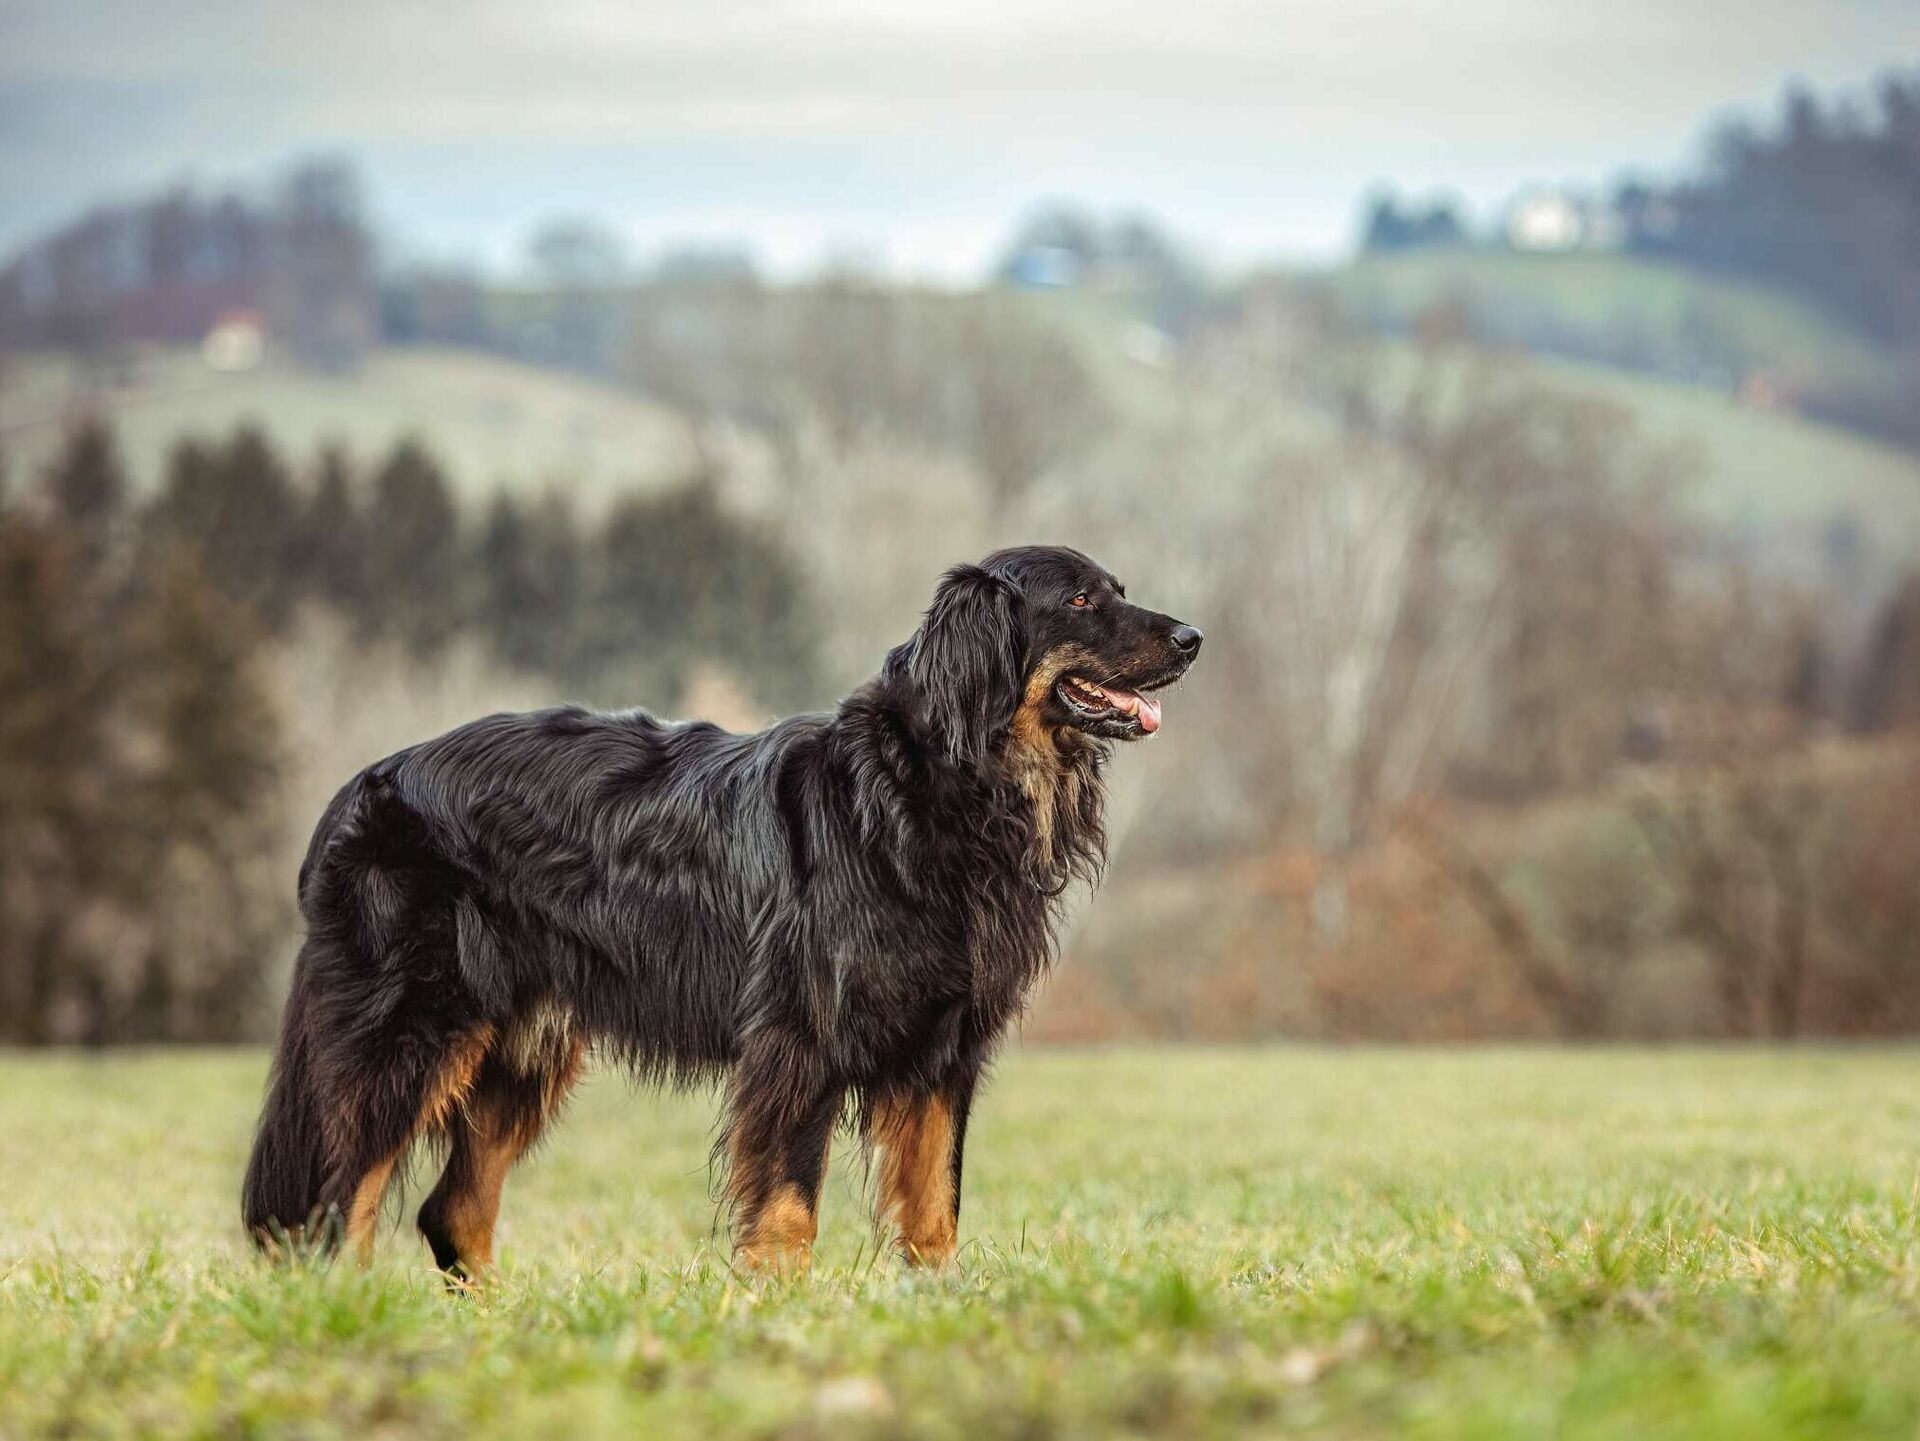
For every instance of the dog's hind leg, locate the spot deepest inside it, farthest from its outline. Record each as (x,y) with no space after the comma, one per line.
(781,1113)
(513,1098)
(398,1099)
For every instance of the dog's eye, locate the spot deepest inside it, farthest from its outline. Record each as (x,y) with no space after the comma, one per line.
(1080,601)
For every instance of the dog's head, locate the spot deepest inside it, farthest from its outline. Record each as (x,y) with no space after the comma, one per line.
(1040,640)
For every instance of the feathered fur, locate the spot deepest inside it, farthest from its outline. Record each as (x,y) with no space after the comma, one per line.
(851,906)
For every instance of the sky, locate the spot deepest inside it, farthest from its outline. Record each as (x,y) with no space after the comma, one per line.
(908,135)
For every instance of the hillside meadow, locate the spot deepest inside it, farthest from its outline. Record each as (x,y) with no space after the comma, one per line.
(489,420)
(1638,302)
(1157,1242)
(495,422)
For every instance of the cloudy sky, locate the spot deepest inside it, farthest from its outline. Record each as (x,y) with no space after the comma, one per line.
(909,133)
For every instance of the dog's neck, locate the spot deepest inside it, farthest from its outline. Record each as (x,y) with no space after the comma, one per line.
(1055,768)
(1058,770)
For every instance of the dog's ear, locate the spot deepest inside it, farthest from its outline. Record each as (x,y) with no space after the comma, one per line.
(968,662)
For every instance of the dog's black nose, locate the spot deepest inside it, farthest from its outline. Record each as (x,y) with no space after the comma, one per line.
(1187,638)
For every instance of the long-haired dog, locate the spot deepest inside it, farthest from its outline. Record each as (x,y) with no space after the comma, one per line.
(840,914)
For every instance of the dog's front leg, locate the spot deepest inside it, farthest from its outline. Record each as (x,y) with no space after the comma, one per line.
(922,1143)
(780,1118)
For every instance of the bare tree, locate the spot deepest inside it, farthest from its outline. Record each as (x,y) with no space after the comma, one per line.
(1740,860)
(1441,535)
(320,292)
(1026,398)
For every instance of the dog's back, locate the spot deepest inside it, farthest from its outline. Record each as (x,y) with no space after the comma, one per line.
(491,899)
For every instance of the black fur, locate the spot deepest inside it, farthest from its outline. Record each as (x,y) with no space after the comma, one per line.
(847,906)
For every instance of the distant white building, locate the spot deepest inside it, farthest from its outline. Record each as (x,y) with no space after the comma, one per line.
(1546,221)
(1552,222)
(236,342)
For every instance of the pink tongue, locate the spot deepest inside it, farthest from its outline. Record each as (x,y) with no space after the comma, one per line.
(1144,709)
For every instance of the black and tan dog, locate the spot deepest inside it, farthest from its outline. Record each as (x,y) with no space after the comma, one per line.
(839,915)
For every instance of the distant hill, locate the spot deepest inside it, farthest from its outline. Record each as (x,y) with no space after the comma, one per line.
(1619,309)
(1753,466)
(1767,468)
(1782,259)
(496,421)
(491,421)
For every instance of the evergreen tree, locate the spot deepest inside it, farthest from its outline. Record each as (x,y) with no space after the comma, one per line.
(50,727)
(509,592)
(678,580)
(137,764)
(235,506)
(333,539)
(414,560)
(212,804)
(528,577)
(86,486)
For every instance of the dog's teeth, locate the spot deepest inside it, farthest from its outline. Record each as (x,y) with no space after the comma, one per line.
(1087,689)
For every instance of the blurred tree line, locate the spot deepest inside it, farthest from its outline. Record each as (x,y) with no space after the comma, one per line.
(1390,222)
(610,607)
(168,267)
(139,752)
(1501,738)
(1820,200)
(145,888)
(1824,201)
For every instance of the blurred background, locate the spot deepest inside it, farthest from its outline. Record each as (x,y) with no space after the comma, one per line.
(1525,399)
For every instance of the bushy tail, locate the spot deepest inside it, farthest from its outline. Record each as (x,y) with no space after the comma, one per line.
(280,1199)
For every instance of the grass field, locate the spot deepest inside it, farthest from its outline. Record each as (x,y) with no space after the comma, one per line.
(1745,469)
(1164,1243)
(492,422)
(1749,467)
(1666,308)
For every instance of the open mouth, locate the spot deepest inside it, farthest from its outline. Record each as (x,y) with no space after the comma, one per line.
(1109,707)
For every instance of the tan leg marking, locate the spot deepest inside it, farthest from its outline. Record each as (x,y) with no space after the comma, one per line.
(915,1137)
(779,1234)
(363,1212)
(449,1088)
(560,1083)
(491,1147)
(473,1209)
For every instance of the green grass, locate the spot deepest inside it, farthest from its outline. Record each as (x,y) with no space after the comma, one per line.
(1157,1242)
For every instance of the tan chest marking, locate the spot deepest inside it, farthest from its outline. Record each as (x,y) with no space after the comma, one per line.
(1033,758)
